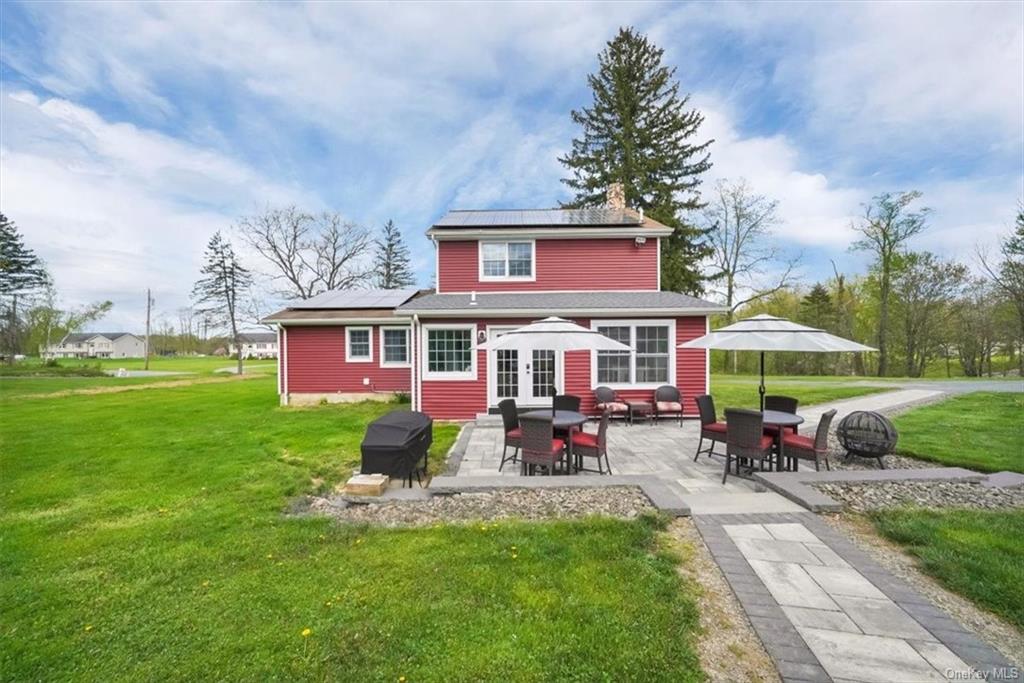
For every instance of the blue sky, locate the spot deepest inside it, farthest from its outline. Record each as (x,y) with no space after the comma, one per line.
(130,132)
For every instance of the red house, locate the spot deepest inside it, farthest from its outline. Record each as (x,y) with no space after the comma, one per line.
(497,270)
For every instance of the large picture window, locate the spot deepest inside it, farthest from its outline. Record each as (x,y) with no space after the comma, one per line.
(506,260)
(650,361)
(358,347)
(449,352)
(394,346)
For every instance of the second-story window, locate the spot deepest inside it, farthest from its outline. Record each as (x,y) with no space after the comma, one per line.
(506,260)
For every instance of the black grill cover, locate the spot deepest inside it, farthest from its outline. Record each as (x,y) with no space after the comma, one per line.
(396,443)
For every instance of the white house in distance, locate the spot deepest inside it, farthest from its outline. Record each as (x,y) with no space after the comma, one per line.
(97,345)
(256,345)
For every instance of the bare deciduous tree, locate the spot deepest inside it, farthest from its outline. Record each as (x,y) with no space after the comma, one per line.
(740,224)
(308,253)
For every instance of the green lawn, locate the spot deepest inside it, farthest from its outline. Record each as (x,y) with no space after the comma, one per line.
(143,535)
(978,554)
(981,431)
(740,391)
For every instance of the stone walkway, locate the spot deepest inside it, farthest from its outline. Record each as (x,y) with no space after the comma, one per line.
(826,611)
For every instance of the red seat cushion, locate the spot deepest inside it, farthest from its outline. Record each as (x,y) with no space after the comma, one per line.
(584,439)
(516,433)
(714,427)
(798,441)
(774,431)
(614,406)
(669,406)
(767,442)
(557,445)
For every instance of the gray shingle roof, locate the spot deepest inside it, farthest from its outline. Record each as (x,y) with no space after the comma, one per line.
(257,337)
(74,337)
(561,301)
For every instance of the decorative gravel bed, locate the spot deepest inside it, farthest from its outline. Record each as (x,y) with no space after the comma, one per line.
(862,497)
(613,501)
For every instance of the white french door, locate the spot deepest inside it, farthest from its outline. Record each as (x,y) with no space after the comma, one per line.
(530,377)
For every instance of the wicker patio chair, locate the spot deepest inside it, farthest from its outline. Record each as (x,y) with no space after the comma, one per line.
(745,439)
(710,427)
(567,402)
(510,426)
(668,401)
(587,445)
(539,445)
(606,399)
(806,448)
(783,404)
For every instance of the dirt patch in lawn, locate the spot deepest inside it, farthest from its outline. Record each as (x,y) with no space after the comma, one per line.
(170,384)
(728,648)
(991,628)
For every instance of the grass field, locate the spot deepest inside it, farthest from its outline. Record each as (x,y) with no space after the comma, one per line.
(144,535)
(732,391)
(981,431)
(975,553)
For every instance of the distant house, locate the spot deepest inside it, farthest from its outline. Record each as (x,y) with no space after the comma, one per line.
(256,345)
(97,345)
(498,270)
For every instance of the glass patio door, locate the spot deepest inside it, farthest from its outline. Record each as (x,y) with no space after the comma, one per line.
(529,377)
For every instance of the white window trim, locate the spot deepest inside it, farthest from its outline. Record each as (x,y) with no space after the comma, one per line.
(633,323)
(506,278)
(427,375)
(408,347)
(348,345)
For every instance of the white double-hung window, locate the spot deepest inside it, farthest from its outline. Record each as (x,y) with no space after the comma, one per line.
(394,347)
(358,347)
(649,363)
(507,260)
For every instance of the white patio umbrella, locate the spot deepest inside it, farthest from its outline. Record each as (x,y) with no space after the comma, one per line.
(768,333)
(556,334)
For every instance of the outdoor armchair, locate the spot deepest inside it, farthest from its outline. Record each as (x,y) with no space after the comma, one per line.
(540,448)
(710,427)
(567,402)
(587,445)
(745,439)
(783,404)
(607,399)
(806,448)
(510,426)
(668,401)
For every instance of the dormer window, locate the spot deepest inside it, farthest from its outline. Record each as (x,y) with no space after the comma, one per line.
(507,260)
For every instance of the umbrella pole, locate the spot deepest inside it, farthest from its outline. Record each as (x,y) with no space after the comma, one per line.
(760,389)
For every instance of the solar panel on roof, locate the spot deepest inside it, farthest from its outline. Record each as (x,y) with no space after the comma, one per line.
(357,298)
(597,216)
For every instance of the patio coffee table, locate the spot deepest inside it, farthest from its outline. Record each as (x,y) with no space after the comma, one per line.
(641,408)
(564,420)
(780,421)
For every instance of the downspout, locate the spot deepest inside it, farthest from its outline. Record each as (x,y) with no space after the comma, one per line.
(414,377)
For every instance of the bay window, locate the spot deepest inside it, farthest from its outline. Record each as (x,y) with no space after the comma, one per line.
(650,361)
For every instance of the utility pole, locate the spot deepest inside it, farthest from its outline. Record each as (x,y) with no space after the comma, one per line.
(149,304)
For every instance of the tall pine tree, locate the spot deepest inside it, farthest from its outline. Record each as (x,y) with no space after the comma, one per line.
(21,272)
(225,282)
(637,132)
(391,261)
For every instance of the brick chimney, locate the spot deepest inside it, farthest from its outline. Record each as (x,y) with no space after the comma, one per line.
(616,196)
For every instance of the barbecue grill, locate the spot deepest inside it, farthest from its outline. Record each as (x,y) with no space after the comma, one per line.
(867,434)
(396,444)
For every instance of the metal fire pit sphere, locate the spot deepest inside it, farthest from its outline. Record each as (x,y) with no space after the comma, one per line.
(867,434)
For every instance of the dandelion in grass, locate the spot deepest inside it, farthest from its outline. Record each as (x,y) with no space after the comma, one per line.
(88,627)
(307,632)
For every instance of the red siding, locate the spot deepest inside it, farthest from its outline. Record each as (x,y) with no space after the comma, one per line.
(463,400)
(315,363)
(562,265)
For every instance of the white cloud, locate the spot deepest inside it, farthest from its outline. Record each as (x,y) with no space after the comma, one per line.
(115,209)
